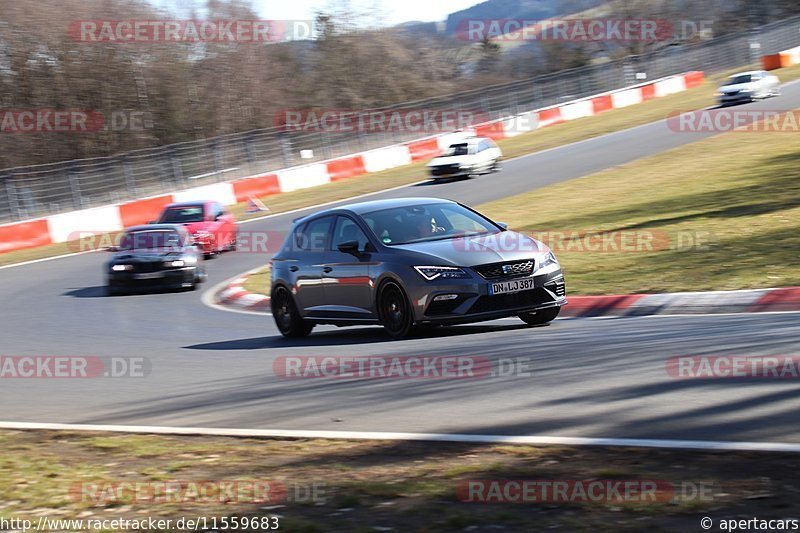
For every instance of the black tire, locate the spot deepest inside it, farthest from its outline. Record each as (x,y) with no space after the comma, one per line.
(286,315)
(234,243)
(394,310)
(498,166)
(540,318)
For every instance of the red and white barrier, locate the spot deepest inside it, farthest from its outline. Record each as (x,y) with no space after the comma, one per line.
(65,226)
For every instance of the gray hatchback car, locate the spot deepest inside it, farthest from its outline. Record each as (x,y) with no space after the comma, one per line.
(410,262)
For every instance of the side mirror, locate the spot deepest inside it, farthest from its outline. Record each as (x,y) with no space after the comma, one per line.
(502,225)
(217,218)
(349,247)
(153,222)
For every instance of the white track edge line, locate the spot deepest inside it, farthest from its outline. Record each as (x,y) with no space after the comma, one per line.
(431,437)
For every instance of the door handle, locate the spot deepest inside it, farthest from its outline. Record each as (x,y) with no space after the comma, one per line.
(327,270)
(293,269)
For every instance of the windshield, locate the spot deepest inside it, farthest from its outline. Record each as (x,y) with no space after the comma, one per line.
(420,223)
(150,240)
(182,215)
(736,80)
(457,149)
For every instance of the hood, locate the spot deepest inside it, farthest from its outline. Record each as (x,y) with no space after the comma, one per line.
(194,227)
(143,255)
(478,250)
(736,88)
(451,160)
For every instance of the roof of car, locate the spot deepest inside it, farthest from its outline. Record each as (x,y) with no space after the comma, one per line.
(187,204)
(361,208)
(749,72)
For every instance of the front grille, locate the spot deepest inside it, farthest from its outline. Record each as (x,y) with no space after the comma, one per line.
(499,302)
(148,266)
(445,169)
(501,270)
(732,93)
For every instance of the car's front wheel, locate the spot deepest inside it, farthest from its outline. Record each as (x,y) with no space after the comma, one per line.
(394,310)
(286,315)
(539,318)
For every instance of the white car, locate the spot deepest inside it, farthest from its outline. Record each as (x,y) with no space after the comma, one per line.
(470,157)
(748,86)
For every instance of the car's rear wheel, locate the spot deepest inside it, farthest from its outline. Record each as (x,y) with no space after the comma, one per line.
(539,318)
(394,310)
(286,315)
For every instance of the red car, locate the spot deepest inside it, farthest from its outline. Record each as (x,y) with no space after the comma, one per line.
(214,229)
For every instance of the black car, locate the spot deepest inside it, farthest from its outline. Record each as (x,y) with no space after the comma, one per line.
(155,256)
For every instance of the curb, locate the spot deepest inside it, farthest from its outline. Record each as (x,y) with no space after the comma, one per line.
(786,299)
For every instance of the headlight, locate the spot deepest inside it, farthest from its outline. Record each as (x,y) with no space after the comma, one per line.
(176,263)
(431,273)
(549,259)
(718,93)
(121,268)
(464,165)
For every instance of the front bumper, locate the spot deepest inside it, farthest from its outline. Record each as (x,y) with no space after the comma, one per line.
(169,278)
(449,171)
(475,304)
(738,98)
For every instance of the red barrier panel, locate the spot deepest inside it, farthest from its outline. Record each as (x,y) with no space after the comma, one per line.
(422,150)
(551,116)
(602,103)
(24,235)
(258,186)
(648,92)
(348,167)
(493,130)
(694,78)
(143,211)
(786,299)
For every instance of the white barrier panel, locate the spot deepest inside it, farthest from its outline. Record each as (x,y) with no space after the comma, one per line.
(220,192)
(626,98)
(522,123)
(670,86)
(65,226)
(581,109)
(385,158)
(293,179)
(794,53)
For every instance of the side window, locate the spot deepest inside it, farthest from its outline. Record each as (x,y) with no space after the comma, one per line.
(483,146)
(347,230)
(314,235)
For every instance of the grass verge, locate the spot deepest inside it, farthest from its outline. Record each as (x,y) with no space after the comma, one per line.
(577,130)
(375,485)
(722,213)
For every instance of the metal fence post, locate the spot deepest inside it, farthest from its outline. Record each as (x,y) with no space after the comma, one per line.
(75,189)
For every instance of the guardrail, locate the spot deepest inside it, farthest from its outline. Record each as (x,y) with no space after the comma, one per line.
(42,190)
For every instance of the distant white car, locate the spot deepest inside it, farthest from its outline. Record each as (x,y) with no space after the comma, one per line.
(470,157)
(748,86)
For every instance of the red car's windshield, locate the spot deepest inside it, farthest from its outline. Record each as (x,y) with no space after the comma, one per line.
(182,215)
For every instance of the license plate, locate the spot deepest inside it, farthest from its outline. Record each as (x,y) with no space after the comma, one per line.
(149,275)
(505,287)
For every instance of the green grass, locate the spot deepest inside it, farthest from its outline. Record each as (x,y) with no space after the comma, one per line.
(404,485)
(739,192)
(543,139)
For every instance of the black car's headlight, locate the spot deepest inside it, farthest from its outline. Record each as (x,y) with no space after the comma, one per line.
(431,273)
(121,268)
(184,261)
(549,259)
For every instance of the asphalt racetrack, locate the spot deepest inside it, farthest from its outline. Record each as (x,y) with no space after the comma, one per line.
(212,368)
